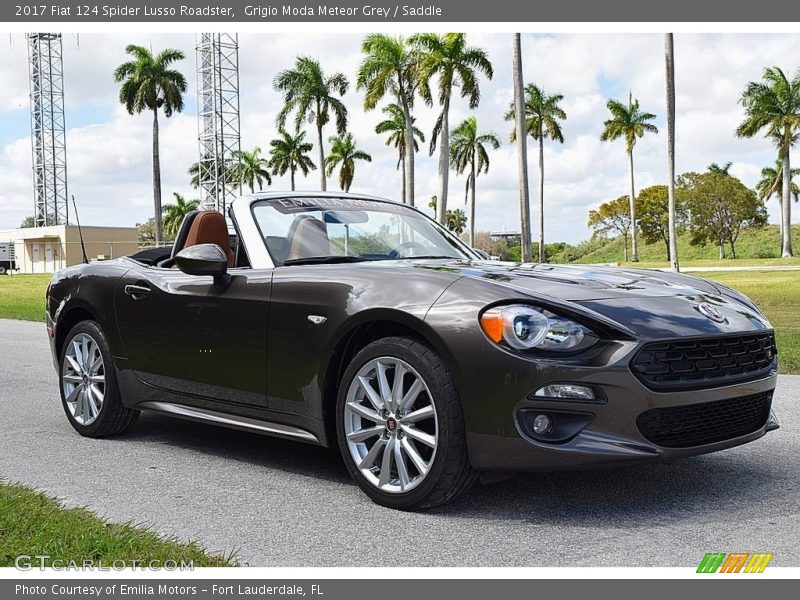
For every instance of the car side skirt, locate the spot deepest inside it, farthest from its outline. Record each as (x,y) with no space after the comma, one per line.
(228,420)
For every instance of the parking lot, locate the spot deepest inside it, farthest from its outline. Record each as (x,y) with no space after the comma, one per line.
(283,503)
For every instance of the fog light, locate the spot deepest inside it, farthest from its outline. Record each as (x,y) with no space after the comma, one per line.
(542,424)
(569,391)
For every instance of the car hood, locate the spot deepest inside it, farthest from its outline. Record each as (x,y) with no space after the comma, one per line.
(578,283)
(652,304)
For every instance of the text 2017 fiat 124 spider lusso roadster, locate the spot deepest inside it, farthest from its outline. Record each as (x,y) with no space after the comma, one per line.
(344,320)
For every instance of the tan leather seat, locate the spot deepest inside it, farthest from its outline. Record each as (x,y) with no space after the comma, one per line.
(308,237)
(209,227)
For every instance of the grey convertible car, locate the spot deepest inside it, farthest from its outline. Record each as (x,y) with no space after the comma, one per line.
(359,323)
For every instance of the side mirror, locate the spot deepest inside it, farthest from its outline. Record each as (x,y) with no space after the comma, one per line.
(203,259)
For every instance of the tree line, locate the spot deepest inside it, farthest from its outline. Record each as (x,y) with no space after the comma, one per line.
(396,73)
(713,206)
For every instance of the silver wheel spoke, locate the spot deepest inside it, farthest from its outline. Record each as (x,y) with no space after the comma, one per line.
(373,396)
(73,395)
(414,391)
(419,463)
(78,353)
(96,364)
(386,463)
(85,353)
(365,412)
(397,385)
(73,378)
(402,471)
(91,407)
(419,435)
(365,434)
(73,364)
(372,455)
(426,412)
(383,385)
(80,404)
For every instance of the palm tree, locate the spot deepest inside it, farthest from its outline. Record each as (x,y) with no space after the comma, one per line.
(250,168)
(669,56)
(149,83)
(389,67)
(771,181)
(522,153)
(468,152)
(395,126)
(344,152)
(542,116)
(718,169)
(773,106)
(455,221)
(174,213)
(629,123)
(290,153)
(456,65)
(311,95)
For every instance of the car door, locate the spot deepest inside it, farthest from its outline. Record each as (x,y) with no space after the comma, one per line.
(187,334)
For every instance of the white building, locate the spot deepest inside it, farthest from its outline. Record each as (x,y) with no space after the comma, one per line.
(49,249)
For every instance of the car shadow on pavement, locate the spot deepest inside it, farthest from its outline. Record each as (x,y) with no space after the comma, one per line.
(242,446)
(710,487)
(706,487)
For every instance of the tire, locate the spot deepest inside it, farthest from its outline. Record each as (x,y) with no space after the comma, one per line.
(438,473)
(81,382)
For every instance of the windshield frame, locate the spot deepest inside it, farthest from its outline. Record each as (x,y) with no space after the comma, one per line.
(457,244)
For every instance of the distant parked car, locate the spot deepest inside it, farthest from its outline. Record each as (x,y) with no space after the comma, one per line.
(359,323)
(7,259)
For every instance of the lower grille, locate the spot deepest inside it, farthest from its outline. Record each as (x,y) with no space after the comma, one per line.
(699,424)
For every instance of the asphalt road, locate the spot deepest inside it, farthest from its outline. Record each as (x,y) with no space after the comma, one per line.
(284,503)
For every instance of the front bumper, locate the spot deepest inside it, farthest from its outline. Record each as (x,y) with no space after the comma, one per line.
(612,435)
(494,384)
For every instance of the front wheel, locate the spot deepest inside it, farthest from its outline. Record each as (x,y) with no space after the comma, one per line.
(89,388)
(400,426)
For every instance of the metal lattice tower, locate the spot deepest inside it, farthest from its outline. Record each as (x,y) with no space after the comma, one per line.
(218,116)
(46,75)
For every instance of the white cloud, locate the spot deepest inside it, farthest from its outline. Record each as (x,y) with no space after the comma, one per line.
(109,150)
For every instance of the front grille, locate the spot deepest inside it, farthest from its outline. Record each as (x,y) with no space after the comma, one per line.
(699,424)
(705,362)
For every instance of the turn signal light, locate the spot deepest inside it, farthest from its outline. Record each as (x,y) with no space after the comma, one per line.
(492,325)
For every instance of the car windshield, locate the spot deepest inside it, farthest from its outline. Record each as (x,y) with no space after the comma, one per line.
(306,230)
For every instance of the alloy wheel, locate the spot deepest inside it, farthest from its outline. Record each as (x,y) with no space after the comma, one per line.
(83,379)
(390,425)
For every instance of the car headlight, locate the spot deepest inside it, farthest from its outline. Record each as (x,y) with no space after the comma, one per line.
(530,328)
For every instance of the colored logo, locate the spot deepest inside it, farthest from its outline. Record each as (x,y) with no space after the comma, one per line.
(734,562)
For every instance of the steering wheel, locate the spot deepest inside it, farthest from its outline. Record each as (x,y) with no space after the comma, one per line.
(398,251)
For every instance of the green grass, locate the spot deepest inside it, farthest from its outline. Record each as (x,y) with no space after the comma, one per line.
(755,247)
(777,293)
(32,524)
(22,296)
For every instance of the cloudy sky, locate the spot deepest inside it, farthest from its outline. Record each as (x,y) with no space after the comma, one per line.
(109,150)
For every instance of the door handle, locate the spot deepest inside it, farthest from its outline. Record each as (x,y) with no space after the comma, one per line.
(137,291)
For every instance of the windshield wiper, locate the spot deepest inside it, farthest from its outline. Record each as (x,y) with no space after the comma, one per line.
(322,260)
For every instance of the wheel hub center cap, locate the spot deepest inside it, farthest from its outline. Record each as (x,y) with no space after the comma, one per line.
(391,424)
(85,379)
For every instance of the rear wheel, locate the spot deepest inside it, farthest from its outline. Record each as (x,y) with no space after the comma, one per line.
(89,388)
(400,426)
